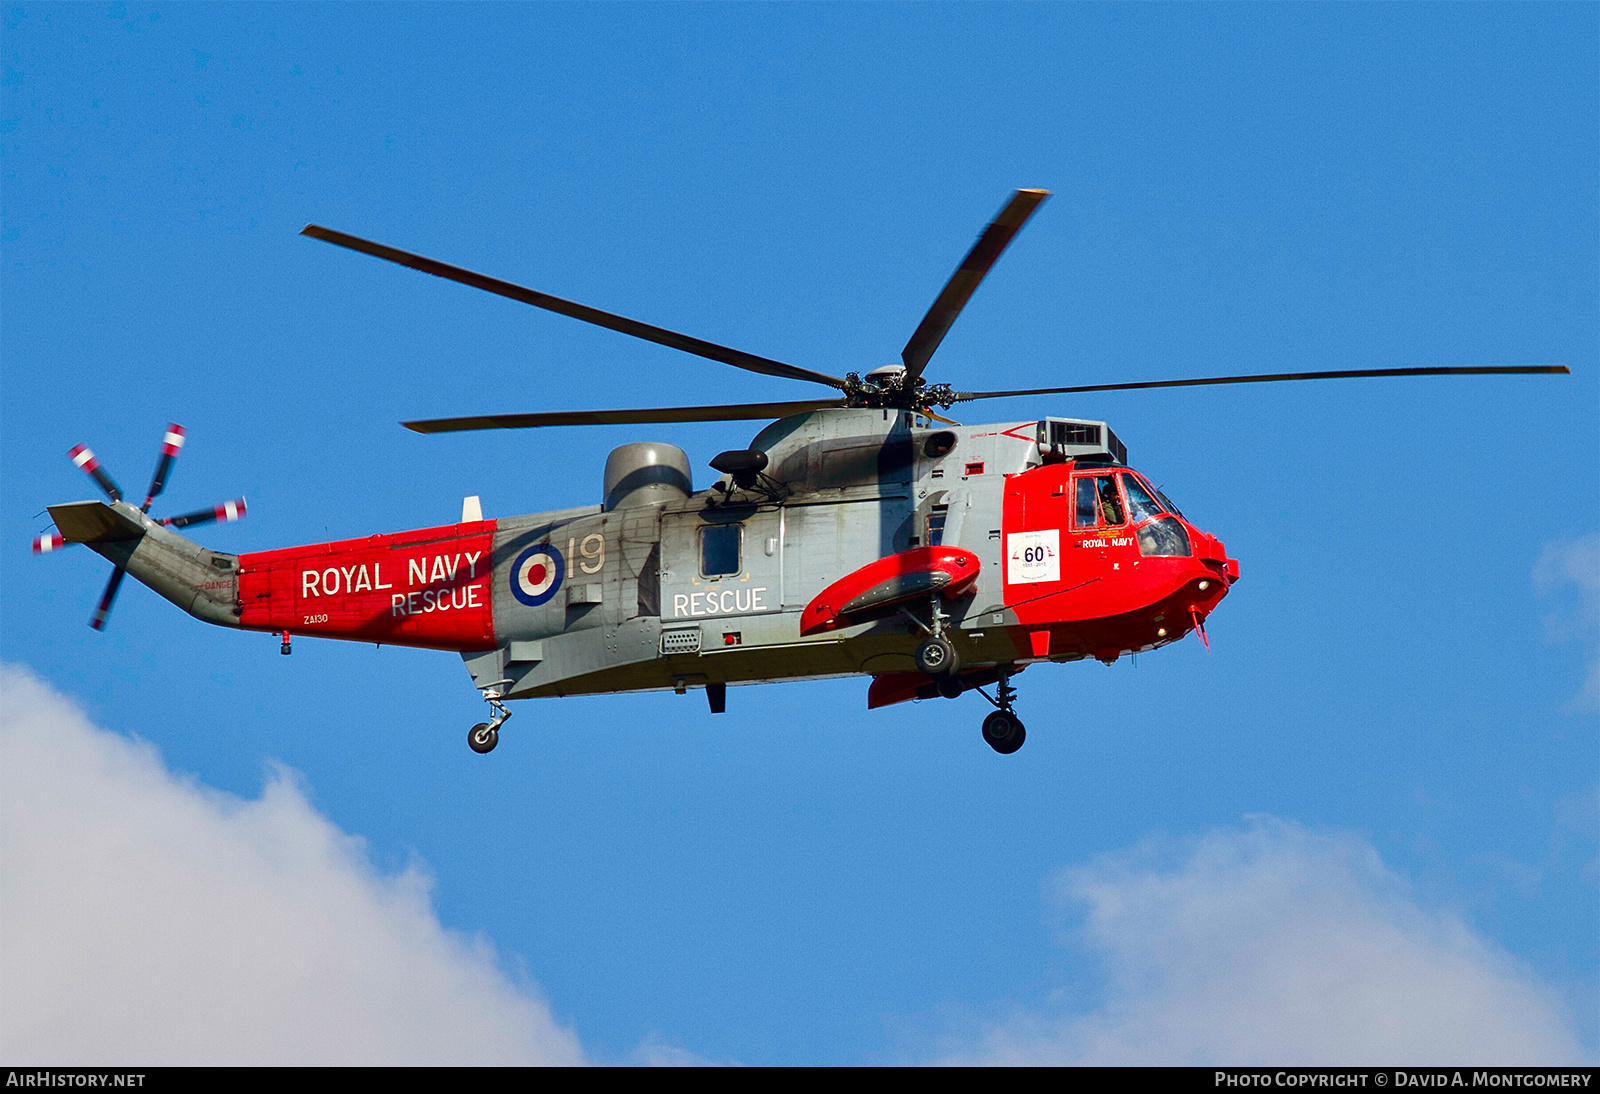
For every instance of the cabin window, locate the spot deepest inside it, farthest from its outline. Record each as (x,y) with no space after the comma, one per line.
(936,519)
(1141,506)
(719,549)
(939,444)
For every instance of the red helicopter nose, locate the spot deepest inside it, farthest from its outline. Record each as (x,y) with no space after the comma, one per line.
(1100,563)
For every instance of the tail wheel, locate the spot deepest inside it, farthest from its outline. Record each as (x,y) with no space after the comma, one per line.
(937,657)
(482,738)
(1003,730)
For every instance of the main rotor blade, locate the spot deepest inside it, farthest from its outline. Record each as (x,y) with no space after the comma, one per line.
(959,289)
(103,612)
(659,335)
(1489,370)
(734,412)
(171,445)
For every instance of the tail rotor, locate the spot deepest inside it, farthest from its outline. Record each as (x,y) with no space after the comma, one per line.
(84,459)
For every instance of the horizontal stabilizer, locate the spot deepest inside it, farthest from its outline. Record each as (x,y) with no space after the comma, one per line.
(93,522)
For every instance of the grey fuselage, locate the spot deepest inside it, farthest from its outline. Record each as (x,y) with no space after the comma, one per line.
(638,609)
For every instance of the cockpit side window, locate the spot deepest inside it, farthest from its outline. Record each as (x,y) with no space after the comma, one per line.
(1097,501)
(1110,499)
(1086,513)
(1141,506)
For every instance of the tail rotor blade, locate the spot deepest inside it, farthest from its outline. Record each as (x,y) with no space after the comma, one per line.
(103,612)
(227,513)
(49,541)
(85,461)
(171,445)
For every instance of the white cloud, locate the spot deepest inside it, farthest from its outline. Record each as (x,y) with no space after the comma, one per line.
(1576,562)
(1274,945)
(146,919)
(655,1052)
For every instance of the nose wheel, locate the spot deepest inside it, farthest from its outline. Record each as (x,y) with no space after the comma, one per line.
(482,737)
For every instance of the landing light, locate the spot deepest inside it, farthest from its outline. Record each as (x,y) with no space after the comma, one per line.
(1204,585)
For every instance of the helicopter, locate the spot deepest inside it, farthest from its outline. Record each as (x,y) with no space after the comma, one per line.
(863,532)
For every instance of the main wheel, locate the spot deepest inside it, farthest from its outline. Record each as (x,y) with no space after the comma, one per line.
(483,737)
(1003,730)
(937,657)
(951,687)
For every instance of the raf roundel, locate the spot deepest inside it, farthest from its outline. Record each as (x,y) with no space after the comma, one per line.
(537,574)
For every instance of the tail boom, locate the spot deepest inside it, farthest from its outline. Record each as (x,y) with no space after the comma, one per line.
(431,587)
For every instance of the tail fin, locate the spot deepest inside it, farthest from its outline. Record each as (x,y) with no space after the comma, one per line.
(203,583)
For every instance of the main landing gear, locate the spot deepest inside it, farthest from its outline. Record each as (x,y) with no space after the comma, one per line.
(482,737)
(938,659)
(1002,728)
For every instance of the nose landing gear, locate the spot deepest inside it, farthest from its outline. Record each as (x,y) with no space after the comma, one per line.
(482,737)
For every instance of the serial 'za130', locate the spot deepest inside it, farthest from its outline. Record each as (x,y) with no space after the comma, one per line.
(859,533)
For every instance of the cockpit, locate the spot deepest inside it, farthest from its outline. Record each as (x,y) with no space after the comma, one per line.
(1114,499)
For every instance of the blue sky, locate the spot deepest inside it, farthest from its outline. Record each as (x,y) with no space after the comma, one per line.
(1391,746)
